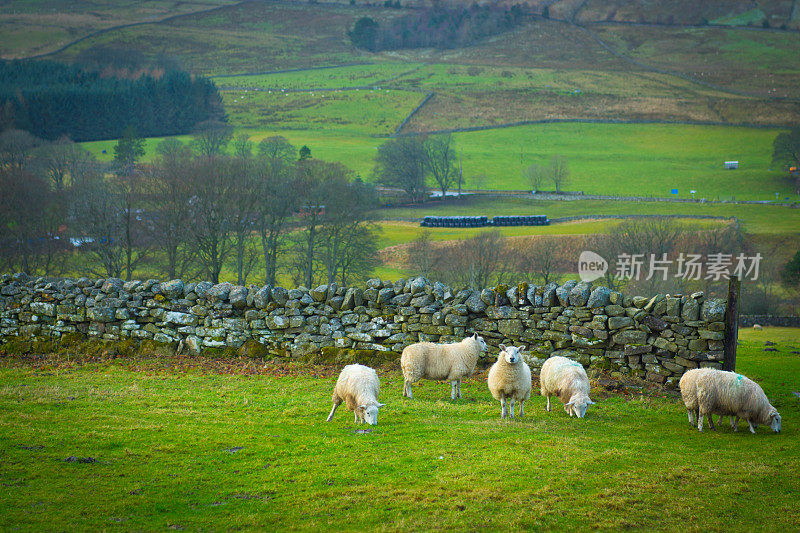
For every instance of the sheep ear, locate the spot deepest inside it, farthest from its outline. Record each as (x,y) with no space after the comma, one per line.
(568,404)
(362,407)
(590,402)
(502,347)
(381,404)
(522,348)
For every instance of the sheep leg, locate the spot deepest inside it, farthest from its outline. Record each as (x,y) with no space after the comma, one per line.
(407,389)
(503,407)
(690,414)
(356,420)
(711,421)
(752,429)
(548,403)
(700,421)
(735,423)
(512,407)
(459,389)
(330,416)
(521,408)
(453,389)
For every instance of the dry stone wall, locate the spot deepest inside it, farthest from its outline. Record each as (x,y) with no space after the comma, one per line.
(657,338)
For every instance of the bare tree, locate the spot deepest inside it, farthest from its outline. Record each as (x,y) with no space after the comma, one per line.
(348,235)
(212,137)
(440,159)
(15,148)
(22,198)
(210,212)
(422,255)
(536,176)
(277,191)
(401,162)
(171,176)
(541,259)
(559,172)
(477,262)
(244,203)
(97,213)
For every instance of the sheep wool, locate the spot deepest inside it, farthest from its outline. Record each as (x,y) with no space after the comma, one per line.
(732,394)
(450,362)
(358,387)
(688,386)
(566,379)
(510,379)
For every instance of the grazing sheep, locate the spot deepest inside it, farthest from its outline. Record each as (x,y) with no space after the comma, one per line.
(451,362)
(510,378)
(566,379)
(358,386)
(688,386)
(732,394)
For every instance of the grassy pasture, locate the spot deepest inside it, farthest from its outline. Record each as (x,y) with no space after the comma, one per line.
(32,27)
(757,219)
(185,445)
(328,78)
(618,159)
(756,61)
(361,112)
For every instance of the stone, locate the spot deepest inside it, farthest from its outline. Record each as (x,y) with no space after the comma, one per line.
(100,314)
(319,294)
(579,294)
(262,296)
(713,310)
(280,296)
(673,306)
(172,289)
(475,303)
(630,336)
(112,285)
(563,292)
(219,292)
(711,335)
(510,327)
(600,297)
(614,310)
(619,322)
(690,310)
(238,297)
(385,295)
(655,323)
(42,308)
(181,319)
(417,285)
(549,297)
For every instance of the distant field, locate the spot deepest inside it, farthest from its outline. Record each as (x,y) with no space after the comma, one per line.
(622,159)
(361,112)
(766,63)
(348,76)
(34,27)
(759,219)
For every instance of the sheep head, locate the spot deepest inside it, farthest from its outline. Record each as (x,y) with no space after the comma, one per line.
(577,405)
(511,354)
(370,413)
(775,421)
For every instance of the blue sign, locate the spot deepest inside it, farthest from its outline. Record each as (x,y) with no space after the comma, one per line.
(674,191)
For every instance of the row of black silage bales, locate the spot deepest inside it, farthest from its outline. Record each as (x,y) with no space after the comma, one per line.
(483,221)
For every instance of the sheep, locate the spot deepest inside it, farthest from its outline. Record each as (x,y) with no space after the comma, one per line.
(441,361)
(510,378)
(688,386)
(732,394)
(566,379)
(358,386)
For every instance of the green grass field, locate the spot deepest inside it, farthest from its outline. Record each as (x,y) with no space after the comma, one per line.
(188,444)
(616,159)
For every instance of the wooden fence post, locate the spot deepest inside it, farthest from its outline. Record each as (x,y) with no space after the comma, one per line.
(731,324)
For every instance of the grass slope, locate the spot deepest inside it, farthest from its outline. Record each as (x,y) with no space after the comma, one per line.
(179,448)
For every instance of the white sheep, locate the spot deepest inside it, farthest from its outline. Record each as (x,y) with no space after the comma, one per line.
(510,379)
(358,386)
(566,379)
(450,362)
(732,394)
(688,386)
